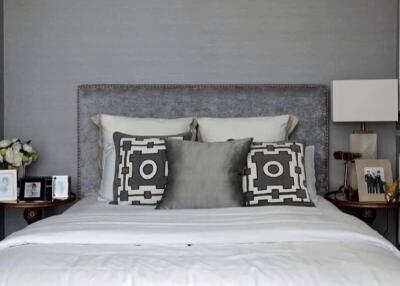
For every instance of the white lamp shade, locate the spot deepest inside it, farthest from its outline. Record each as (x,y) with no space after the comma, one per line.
(364,100)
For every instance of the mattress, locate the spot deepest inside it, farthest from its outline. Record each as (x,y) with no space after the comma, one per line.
(94,243)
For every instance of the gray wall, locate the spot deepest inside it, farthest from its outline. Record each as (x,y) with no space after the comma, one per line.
(1,73)
(1,102)
(51,46)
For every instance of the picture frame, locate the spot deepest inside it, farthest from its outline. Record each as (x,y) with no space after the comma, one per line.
(371,176)
(61,187)
(32,189)
(8,185)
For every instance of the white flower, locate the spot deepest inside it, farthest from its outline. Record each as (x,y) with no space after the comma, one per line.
(27,148)
(13,157)
(16,147)
(4,143)
(14,140)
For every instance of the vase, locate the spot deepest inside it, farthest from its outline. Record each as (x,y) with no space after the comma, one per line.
(20,171)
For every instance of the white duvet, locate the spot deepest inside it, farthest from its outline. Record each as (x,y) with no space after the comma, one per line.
(98,244)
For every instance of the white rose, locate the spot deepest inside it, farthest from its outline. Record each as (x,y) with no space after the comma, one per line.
(17,159)
(27,148)
(4,143)
(9,156)
(13,157)
(16,147)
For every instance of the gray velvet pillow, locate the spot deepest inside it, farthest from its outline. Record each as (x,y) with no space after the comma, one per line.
(204,175)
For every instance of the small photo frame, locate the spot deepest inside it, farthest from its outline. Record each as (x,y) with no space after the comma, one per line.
(8,185)
(61,187)
(32,189)
(371,178)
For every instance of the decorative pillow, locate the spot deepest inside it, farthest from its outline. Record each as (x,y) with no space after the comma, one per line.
(141,169)
(204,175)
(108,124)
(275,175)
(310,172)
(266,129)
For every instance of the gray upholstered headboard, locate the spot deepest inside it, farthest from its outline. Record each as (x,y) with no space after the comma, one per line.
(308,102)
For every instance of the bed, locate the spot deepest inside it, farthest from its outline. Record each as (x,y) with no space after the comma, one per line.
(95,243)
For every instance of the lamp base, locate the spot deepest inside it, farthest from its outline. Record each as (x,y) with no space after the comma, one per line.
(367,145)
(363,129)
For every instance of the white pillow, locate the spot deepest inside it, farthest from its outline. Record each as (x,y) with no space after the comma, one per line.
(108,124)
(310,172)
(262,129)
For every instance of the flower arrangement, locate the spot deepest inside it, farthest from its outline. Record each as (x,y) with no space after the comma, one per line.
(391,191)
(15,153)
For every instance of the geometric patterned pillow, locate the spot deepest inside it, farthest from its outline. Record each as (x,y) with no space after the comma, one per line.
(141,168)
(275,175)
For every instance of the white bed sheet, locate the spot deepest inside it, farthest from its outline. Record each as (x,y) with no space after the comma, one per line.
(94,243)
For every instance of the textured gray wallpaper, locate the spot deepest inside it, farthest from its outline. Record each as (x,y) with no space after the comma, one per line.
(51,46)
(1,101)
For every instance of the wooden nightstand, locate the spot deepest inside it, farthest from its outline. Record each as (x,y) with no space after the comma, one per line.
(33,210)
(366,211)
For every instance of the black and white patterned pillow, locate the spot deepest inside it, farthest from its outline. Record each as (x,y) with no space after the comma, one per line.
(275,175)
(141,168)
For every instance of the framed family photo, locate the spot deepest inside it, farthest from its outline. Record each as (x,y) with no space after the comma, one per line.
(61,187)
(371,178)
(32,189)
(8,185)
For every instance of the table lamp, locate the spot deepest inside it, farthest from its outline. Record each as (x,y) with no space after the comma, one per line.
(364,101)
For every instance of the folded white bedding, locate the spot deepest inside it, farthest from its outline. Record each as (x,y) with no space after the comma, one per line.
(97,244)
